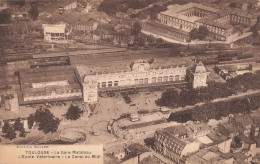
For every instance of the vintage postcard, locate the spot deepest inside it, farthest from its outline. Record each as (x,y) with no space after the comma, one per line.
(129,81)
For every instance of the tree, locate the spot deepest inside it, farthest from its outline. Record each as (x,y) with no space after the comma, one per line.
(159,41)
(22,133)
(169,98)
(150,61)
(194,34)
(5,16)
(6,127)
(73,113)
(34,13)
(136,30)
(255,28)
(202,32)
(30,121)
(10,134)
(110,7)
(233,5)
(18,126)
(46,121)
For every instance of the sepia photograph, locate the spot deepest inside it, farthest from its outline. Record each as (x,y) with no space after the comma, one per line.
(130,81)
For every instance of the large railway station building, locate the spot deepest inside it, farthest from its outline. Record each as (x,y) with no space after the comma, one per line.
(140,73)
(86,79)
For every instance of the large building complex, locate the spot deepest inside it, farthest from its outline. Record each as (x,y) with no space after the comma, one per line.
(140,73)
(219,22)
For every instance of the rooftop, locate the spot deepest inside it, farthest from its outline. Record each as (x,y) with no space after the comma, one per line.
(45,75)
(124,66)
(216,137)
(229,68)
(175,11)
(228,128)
(205,156)
(199,68)
(164,27)
(212,22)
(177,130)
(137,148)
(178,8)
(243,120)
(198,126)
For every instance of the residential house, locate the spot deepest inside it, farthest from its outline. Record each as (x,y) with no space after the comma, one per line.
(84,26)
(135,153)
(198,129)
(105,32)
(175,143)
(222,142)
(67,5)
(55,32)
(72,4)
(206,156)
(228,130)
(244,124)
(131,153)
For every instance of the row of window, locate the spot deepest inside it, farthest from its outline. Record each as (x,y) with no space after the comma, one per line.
(140,81)
(176,20)
(190,27)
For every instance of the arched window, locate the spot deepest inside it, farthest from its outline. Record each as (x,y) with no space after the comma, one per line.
(159,79)
(110,84)
(165,78)
(104,84)
(177,77)
(115,83)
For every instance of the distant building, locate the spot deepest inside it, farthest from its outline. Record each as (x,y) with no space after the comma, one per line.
(206,156)
(55,32)
(131,153)
(198,129)
(197,76)
(20,15)
(228,130)
(220,23)
(160,30)
(245,125)
(68,5)
(222,142)
(135,153)
(228,71)
(175,143)
(84,26)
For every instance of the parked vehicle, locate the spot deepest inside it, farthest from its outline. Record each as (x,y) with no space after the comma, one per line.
(165,110)
(134,117)
(109,125)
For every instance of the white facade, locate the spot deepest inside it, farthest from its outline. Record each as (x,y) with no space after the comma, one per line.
(141,74)
(54,32)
